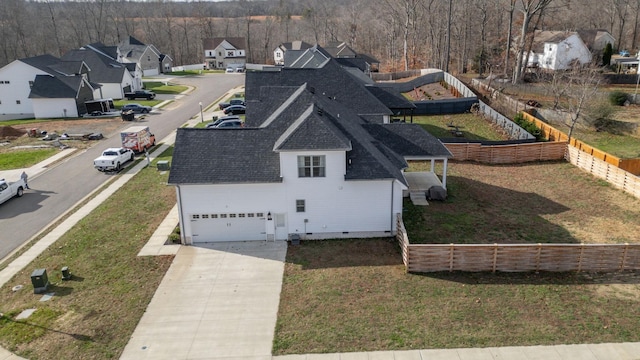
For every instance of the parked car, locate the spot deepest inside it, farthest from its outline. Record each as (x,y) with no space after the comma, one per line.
(112,159)
(224,118)
(230,70)
(140,94)
(235,109)
(136,108)
(11,189)
(234,101)
(227,124)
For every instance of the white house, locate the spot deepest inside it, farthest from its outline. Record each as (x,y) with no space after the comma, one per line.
(114,77)
(43,87)
(558,50)
(220,53)
(294,46)
(304,164)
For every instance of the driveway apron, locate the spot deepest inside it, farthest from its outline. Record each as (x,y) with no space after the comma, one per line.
(216,301)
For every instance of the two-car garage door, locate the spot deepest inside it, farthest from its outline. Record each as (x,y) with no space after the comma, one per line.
(227,227)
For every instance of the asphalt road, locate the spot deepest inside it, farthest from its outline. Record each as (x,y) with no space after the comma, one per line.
(61,187)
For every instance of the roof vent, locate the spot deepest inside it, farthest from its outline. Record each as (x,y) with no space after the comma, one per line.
(320,112)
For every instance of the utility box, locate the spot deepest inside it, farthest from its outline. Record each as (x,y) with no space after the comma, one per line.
(295,239)
(40,281)
(164,165)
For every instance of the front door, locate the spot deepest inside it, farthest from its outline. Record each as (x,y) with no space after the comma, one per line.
(281,227)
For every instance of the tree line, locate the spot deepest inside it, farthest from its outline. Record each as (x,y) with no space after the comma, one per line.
(403,34)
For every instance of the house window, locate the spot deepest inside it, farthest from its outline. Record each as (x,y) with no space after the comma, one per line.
(30,84)
(219,53)
(300,205)
(18,102)
(205,216)
(311,166)
(229,53)
(195,216)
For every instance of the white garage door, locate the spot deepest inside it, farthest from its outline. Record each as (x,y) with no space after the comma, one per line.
(228,227)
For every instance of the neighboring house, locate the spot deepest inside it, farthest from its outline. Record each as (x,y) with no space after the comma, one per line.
(558,50)
(148,57)
(114,77)
(596,40)
(310,166)
(113,53)
(44,86)
(348,57)
(220,53)
(294,48)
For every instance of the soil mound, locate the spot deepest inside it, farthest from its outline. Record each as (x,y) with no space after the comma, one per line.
(8,132)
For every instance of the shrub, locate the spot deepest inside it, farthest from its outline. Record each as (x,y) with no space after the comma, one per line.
(528,126)
(618,97)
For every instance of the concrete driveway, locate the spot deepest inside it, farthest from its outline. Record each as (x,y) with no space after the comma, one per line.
(216,301)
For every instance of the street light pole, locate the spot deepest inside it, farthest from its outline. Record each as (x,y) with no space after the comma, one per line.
(201,116)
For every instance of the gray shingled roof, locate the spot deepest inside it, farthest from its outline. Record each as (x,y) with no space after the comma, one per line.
(312,131)
(330,81)
(103,70)
(300,118)
(48,86)
(219,156)
(41,62)
(391,97)
(408,140)
(212,43)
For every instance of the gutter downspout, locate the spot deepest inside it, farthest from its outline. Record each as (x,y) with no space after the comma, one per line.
(391,217)
(181,219)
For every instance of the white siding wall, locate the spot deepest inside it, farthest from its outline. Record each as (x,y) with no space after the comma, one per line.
(333,207)
(18,74)
(559,56)
(237,198)
(54,108)
(111,90)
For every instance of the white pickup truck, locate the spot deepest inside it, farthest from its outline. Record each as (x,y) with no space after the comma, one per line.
(113,158)
(11,189)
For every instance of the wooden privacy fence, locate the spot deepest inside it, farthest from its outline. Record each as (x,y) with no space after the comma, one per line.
(617,177)
(516,257)
(553,134)
(507,154)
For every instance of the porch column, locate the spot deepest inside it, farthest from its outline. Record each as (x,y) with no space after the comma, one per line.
(444,174)
(433,165)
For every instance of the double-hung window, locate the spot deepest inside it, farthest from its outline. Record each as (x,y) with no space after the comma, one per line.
(311,166)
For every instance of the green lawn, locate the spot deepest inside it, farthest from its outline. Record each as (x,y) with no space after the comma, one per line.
(23,121)
(119,103)
(473,127)
(159,87)
(195,72)
(620,145)
(93,315)
(24,158)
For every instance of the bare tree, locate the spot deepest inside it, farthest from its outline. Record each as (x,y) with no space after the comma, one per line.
(529,8)
(581,86)
(512,6)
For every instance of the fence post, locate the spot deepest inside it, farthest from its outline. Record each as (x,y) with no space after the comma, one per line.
(538,257)
(624,257)
(580,258)
(495,256)
(451,257)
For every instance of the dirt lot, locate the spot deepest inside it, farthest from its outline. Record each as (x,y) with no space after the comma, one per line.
(433,91)
(106,126)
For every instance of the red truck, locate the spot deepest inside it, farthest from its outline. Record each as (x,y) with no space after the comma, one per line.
(137,138)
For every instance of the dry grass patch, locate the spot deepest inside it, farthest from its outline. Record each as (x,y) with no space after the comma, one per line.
(533,203)
(344,296)
(354,295)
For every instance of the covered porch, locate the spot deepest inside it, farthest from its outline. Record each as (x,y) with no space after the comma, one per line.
(419,182)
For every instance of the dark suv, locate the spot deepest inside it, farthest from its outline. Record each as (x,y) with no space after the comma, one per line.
(136,108)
